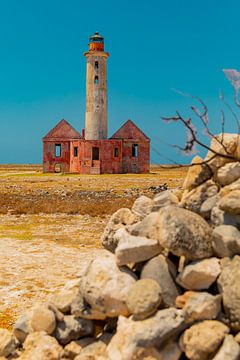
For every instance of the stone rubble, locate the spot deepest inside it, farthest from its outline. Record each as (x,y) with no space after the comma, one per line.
(167,286)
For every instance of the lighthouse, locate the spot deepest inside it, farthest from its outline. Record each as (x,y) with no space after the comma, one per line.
(96,120)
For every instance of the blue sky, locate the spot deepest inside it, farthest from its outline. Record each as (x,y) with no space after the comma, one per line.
(154,46)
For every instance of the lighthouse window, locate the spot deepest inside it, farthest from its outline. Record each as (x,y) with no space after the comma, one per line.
(96,65)
(96,80)
(135,150)
(95,153)
(57,150)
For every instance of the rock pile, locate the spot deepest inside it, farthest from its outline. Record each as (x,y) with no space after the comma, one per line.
(166,288)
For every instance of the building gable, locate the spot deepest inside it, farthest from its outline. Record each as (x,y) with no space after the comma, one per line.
(63,130)
(129,131)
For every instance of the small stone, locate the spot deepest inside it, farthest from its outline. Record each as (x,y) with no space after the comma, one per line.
(201,340)
(226,241)
(170,351)
(194,199)
(164,198)
(8,343)
(207,206)
(119,219)
(40,346)
(228,173)
(220,217)
(147,333)
(229,286)
(230,350)
(148,227)
(74,348)
(200,274)
(198,173)
(142,206)
(134,249)
(66,296)
(95,351)
(43,319)
(184,233)
(105,286)
(230,203)
(157,269)
(199,305)
(144,298)
(72,328)
(237,338)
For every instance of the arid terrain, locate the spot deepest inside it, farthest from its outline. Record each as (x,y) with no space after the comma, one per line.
(50,226)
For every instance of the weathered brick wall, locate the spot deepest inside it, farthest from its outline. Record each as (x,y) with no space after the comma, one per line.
(50,160)
(139,164)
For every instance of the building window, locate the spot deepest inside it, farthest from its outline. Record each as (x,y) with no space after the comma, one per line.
(58,150)
(115,152)
(75,151)
(96,65)
(96,80)
(95,153)
(135,150)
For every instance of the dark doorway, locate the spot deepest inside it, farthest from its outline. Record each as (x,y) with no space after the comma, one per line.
(95,153)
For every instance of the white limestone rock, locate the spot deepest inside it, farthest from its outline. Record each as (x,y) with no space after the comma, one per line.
(144,298)
(230,350)
(154,331)
(134,249)
(199,305)
(142,206)
(40,346)
(164,198)
(228,173)
(119,219)
(201,340)
(105,286)
(226,241)
(8,343)
(184,233)
(158,269)
(200,274)
(197,174)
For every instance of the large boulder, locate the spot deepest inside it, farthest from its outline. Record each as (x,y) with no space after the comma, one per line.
(184,233)
(144,298)
(201,340)
(229,285)
(154,331)
(134,249)
(200,274)
(105,286)
(159,269)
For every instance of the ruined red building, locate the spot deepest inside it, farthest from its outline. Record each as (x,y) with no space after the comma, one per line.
(92,152)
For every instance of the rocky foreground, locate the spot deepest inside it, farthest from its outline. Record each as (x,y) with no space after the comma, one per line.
(167,286)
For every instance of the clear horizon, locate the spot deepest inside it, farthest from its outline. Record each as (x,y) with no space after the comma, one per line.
(154,47)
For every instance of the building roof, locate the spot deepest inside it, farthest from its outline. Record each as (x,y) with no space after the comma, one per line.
(128,131)
(63,130)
